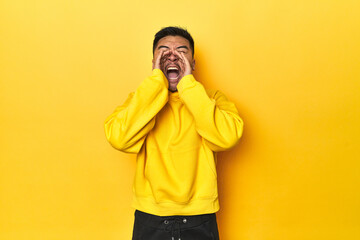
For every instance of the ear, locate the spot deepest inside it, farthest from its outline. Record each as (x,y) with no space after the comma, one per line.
(193,65)
(153,63)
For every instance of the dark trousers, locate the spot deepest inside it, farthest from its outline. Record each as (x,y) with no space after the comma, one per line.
(195,227)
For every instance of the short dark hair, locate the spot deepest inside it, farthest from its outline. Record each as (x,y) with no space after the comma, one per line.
(173,31)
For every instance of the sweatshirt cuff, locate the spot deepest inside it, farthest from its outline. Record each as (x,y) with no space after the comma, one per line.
(158,75)
(186,82)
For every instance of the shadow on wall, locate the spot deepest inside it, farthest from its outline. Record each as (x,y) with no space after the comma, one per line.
(230,169)
(230,163)
(202,70)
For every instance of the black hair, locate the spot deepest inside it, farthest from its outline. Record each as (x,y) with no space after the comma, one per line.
(173,31)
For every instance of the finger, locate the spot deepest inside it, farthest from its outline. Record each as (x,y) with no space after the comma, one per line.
(180,58)
(178,55)
(160,55)
(163,57)
(159,58)
(185,59)
(187,64)
(183,56)
(165,53)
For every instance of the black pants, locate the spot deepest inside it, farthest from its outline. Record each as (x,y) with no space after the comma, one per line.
(195,227)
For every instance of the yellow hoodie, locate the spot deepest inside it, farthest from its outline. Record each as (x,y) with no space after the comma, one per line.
(176,137)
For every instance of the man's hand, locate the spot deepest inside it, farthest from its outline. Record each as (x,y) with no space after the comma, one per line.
(159,60)
(185,64)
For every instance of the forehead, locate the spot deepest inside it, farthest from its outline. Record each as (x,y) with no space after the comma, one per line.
(173,41)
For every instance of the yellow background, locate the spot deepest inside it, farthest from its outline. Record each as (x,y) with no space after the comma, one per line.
(291,67)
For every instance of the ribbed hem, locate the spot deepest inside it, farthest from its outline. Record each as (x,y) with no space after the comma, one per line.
(195,207)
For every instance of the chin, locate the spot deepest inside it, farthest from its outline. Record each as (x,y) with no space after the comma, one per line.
(173,85)
(173,88)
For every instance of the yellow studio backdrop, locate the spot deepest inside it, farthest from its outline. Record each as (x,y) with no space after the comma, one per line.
(291,67)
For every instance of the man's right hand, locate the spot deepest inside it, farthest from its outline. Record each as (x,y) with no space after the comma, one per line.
(158,61)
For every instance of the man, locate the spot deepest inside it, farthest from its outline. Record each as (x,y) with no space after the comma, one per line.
(175,127)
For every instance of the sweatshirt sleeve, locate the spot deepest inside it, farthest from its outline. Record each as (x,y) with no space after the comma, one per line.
(126,128)
(217,119)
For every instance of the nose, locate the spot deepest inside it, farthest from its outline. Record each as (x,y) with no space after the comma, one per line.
(172,57)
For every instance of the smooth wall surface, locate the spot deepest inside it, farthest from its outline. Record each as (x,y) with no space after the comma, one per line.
(291,67)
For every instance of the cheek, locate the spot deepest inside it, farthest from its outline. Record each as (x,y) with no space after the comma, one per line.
(189,57)
(156,54)
(191,61)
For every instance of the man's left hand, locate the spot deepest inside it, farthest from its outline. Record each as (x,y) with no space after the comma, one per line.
(185,64)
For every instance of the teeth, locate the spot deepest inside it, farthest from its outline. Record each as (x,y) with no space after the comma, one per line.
(172,68)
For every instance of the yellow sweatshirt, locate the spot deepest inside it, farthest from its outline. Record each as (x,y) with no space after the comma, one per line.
(176,137)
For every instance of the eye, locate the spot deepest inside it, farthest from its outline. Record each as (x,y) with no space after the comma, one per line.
(163,48)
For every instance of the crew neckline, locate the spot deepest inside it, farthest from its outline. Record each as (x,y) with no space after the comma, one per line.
(174,95)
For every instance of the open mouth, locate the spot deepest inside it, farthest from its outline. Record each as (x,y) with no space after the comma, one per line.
(172,72)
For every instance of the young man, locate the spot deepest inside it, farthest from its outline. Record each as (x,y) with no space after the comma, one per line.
(175,126)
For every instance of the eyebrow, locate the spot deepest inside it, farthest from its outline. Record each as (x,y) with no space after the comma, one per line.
(183,47)
(162,46)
